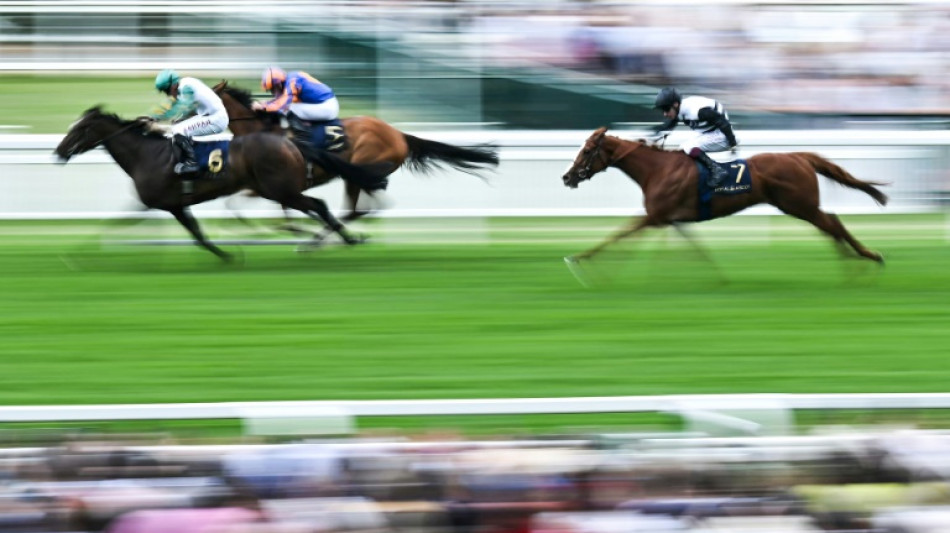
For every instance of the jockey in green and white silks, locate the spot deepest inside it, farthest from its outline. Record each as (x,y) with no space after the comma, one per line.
(189,96)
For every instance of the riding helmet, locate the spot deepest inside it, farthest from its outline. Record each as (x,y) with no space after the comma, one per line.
(272,76)
(666,98)
(165,80)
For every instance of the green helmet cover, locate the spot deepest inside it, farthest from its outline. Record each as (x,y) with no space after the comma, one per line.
(166,79)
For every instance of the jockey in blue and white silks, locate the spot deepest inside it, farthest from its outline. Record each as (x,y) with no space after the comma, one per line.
(707,118)
(189,96)
(300,94)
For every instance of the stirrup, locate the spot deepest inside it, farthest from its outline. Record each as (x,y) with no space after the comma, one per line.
(182,169)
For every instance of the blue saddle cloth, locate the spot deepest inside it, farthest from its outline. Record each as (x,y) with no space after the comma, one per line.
(327,135)
(738,181)
(212,156)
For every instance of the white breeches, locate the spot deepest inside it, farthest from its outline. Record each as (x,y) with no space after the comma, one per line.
(327,110)
(713,141)
(199,125)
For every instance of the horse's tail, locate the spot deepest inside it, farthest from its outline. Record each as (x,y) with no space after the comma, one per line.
(425,154)
(834,172)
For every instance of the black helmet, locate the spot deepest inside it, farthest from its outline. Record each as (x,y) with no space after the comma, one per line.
(666,98)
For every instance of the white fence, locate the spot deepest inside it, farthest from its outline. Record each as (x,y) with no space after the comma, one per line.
(527,183)
(750,414)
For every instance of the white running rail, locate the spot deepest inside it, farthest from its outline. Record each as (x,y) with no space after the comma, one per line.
(362,408)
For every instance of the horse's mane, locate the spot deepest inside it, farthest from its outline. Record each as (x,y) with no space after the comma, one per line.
(645,142)
(133,125)
(243,96)
(246,99)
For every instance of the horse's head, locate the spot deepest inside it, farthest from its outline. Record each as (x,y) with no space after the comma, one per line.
(94,128)
(81,136)
(239,104)
(589,161)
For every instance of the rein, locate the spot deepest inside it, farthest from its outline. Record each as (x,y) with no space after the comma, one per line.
(114,133)
(624,153)
(599,152)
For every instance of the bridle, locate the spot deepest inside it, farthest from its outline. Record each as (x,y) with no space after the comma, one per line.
(72,151)
(585,172)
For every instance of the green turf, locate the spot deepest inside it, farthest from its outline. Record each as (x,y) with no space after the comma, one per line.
(49,103)
(471,309)
(493,316)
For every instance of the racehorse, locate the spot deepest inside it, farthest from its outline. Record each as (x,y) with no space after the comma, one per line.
(370,143)
(671,187)
(268,164)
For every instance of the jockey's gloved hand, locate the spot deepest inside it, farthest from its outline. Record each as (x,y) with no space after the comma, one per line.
(155,127)
(657,137)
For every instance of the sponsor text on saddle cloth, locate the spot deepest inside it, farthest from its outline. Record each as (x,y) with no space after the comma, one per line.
(738,181)
(212,156)
(326,135)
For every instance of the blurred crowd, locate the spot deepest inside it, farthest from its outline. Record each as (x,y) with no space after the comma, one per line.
(874,58)
(881,482)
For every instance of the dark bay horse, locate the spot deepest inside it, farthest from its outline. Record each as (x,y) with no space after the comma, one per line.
(669,180)
(371,143)
(270,165)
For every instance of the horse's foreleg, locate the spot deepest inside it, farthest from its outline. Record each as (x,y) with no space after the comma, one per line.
(184,217)
(700,249)
(634,226)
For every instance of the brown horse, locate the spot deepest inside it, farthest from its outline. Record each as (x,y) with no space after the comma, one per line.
(268,164)
(371,143)
(669,180)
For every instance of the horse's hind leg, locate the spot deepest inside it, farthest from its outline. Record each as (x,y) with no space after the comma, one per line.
(832,225)
(352,194)
(317,209)
(183,216)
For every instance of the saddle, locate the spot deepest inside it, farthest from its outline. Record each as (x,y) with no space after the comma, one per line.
(322,135)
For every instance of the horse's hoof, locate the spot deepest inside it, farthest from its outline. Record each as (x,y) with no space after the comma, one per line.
(359,239)
(309,246)
(575,267)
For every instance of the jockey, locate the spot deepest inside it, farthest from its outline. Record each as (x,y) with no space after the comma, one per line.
(300,94)
(301,97)
(188,96)
(705,116)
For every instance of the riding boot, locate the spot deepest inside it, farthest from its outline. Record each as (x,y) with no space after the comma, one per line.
(188,164)
(717,174)
(299,127)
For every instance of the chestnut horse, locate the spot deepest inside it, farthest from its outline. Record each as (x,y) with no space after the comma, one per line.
(670,183)
(371,143)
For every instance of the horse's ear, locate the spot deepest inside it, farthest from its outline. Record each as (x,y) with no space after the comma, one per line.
(94,110)
(220,86)
(601,131)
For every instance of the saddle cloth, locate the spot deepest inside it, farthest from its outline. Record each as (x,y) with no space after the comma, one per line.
(326,135)
(212,156)
(738,181)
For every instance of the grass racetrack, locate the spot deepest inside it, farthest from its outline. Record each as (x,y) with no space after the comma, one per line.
(468,309)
